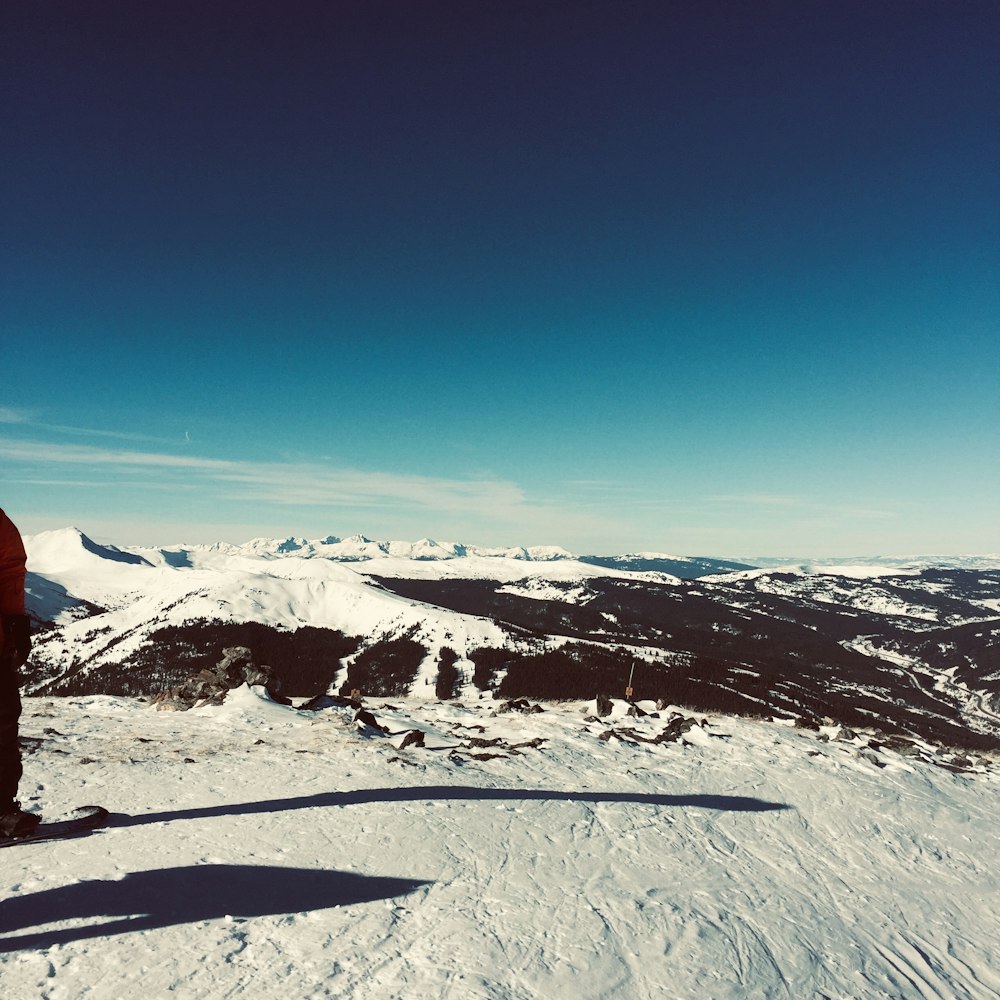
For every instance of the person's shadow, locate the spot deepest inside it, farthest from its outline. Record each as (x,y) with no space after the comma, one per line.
(451,793)
(147,900)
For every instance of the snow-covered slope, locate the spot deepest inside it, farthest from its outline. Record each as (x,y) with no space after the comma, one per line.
(260,851)
(220,583)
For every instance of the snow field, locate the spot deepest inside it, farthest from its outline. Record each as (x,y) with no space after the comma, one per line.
(268,852)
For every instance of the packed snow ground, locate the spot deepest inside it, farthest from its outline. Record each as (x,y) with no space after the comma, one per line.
(262,851)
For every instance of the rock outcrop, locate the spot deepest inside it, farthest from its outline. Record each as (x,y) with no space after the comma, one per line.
(210,687)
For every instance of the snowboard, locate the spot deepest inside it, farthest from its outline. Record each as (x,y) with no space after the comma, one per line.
(73,824)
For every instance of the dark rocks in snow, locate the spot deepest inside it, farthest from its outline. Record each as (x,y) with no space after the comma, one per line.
(322,701)
(635,712)
(479,742)
(235,663)
(414,738)
(957,764)
(604,706)
(897,744)
(462,725)
(519,705)
(364,719)
(675,729)
(210,687)
(403,760)
(533,744)
(631,734)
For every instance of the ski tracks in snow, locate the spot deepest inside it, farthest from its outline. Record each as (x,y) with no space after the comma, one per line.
(273,852)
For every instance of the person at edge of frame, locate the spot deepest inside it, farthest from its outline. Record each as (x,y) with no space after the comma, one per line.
(15,645)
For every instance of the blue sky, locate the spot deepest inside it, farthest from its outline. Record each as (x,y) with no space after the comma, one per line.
(712,278)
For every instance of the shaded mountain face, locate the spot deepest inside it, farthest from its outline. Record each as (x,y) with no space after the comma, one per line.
(686,568)
(914,650)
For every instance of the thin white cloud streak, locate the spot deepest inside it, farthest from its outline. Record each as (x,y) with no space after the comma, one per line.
(12,415)
(39,451)
(491,511)
(300,484)
(116,435)
(27,418)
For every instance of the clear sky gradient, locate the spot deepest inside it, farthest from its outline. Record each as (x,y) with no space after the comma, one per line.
(693,277)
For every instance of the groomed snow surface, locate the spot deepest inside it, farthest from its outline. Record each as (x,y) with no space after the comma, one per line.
(261,851)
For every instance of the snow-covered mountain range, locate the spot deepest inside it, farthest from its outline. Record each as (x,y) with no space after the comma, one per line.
(907,646)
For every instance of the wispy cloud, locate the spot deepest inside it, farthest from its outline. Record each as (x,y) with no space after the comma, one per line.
(29,419)
(299,483)
(13,415)
(114,435)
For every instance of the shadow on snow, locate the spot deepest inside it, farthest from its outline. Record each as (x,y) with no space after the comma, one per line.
(448,793)
(148,900)
(144,901)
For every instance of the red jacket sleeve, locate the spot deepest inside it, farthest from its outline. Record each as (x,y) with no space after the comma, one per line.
(12,570)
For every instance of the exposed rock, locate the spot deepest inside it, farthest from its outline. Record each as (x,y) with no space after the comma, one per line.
(534,744)
(403,760)
(257,675)
(322,701)
(365,718)
(957,764)
(210,687)
(675,728)
(898,744)
(635,711)
(414,738)
(234,659)
(518,705)
(633,735)
(480,743)
(604,706)
(871,757)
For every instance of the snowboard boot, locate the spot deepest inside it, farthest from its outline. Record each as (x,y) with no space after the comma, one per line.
(15,822)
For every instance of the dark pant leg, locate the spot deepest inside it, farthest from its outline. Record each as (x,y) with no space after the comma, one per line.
(10,712)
